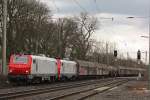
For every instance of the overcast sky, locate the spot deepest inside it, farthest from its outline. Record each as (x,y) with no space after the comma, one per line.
(124,32)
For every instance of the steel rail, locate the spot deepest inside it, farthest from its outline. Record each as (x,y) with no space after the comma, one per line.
(88,90)
(45,90)
(97,92)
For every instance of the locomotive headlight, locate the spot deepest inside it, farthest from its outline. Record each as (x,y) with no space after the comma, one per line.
(10,70)
(27,71)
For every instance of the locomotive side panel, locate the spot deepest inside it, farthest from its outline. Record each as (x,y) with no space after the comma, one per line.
(68,69)
(43,65)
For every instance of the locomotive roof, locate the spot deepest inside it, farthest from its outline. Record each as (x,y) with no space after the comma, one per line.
(43,58)
(68,61)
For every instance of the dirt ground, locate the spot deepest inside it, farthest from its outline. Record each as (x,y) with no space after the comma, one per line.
(3,81)
(133,90)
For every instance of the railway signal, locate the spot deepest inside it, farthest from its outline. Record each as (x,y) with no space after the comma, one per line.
(139,55)
(115,53)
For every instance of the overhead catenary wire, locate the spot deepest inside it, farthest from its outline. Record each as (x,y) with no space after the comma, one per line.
(80,6)
(57,8)
(97,7)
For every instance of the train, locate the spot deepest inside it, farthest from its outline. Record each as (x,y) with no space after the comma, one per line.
(36,69)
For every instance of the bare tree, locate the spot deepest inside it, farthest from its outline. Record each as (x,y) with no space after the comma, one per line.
(25,20)
(86,25)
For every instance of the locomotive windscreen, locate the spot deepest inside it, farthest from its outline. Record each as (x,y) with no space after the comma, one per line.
(20,59)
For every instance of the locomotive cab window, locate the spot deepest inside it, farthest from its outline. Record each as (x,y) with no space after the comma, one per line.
(20,59)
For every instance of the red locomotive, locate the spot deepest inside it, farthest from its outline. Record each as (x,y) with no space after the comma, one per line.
(33,68)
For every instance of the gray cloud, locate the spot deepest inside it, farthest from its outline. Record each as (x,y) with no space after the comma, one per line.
(121,29)
(131,7)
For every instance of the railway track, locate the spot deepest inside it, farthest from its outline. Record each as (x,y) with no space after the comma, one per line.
(33,86)
(83,94)
(12,95)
